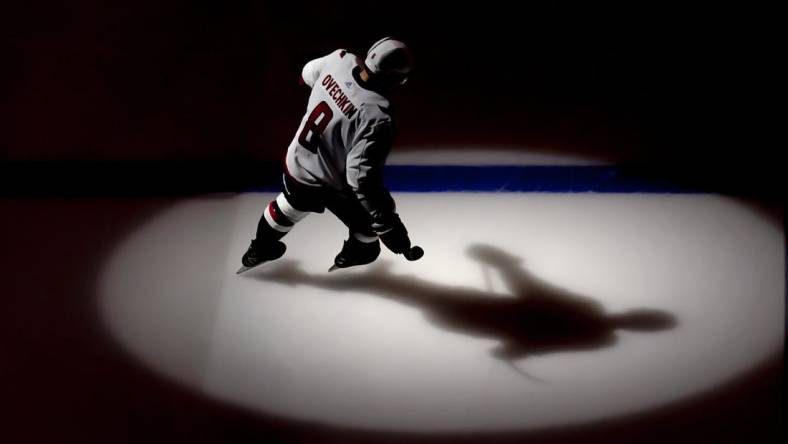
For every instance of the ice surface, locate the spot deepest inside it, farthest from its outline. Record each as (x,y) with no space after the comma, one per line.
(404,345)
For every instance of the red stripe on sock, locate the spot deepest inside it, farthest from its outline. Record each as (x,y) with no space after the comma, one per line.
(278,216)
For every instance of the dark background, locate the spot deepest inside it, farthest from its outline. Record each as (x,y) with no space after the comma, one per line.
(103,99)
(684,88)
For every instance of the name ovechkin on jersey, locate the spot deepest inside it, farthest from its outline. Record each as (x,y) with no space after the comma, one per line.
(336,93)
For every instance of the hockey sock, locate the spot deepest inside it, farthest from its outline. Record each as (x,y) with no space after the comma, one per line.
(278,219)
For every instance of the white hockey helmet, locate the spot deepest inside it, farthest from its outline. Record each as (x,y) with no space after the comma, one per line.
(391,59)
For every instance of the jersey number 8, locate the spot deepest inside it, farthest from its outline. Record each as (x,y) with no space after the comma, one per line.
(315,124)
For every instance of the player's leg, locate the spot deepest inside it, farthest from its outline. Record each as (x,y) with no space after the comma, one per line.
(362,246)
(292,205)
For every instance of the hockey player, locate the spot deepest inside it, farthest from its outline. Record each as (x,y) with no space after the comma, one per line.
(336,158)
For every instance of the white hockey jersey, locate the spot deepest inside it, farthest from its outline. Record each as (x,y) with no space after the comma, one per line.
(345,135)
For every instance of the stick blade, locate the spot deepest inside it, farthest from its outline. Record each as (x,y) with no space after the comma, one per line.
(414,253)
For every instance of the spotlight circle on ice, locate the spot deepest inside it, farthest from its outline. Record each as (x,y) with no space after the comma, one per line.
(562,309)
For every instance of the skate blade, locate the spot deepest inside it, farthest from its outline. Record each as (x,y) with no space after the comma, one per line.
(242,269)
(333,268)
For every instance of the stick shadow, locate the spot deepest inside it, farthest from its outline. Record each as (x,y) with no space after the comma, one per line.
(534,318)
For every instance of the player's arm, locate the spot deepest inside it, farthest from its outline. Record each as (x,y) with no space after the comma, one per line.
(312,70)
(364,167)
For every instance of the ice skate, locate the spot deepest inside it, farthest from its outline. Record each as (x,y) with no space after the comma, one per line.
(355,252)
(260,253)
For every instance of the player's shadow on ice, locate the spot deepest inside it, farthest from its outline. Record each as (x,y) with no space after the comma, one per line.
(541,318)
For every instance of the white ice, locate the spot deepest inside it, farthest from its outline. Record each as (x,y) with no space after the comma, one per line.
(392,347)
